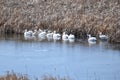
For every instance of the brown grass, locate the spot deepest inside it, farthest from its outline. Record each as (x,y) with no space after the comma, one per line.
(14,76)
(79,17)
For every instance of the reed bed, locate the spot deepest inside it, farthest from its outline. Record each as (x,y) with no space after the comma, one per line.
(79,17)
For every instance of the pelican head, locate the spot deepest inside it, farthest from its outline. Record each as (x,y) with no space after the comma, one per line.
(25,30)
(89,35)
(100,33)
(54,32)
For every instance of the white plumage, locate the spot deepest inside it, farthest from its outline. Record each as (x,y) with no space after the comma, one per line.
(71,36)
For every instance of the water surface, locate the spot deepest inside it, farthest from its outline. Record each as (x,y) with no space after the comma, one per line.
(78,60)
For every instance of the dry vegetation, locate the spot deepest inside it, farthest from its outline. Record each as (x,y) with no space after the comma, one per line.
(79,17)
(14,76)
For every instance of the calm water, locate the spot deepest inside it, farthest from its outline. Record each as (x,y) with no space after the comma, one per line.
(78,60)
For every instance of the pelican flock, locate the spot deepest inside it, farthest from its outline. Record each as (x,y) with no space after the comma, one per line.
(57,36)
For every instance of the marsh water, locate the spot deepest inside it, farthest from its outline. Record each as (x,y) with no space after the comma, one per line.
(77,60)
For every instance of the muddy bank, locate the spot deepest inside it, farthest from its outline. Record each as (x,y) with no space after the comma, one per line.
(79,17)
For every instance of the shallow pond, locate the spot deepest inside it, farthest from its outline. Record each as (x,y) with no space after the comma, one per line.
(78,60)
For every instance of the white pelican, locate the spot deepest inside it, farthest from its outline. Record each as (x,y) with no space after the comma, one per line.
(102,36)
(91,39)
(49,35)
(56,36)
(42,34)
(28,33)
(71,36)
(64,36)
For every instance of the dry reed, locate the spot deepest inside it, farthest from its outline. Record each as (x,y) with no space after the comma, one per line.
(79,17)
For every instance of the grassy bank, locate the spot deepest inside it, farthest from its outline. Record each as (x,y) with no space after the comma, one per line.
(79,17)
(15,76)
